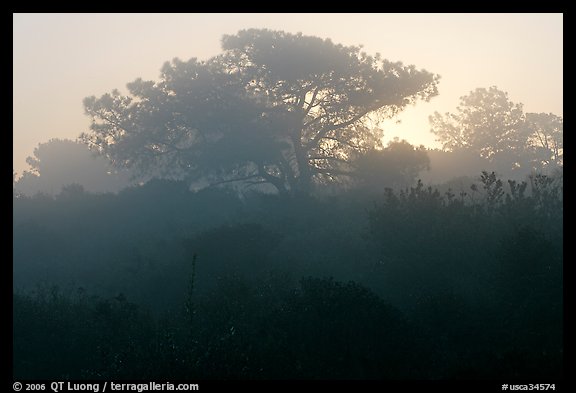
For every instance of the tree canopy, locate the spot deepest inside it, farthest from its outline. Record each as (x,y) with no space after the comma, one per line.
(282,109)
(62,162)
(546,138)
(488,124)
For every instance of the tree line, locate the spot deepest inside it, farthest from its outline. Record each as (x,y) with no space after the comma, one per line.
(290,113)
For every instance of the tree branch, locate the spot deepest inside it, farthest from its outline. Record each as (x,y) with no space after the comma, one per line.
(332,171)
(310,105)
(330,127)
(234,180)
(342,142)
(329,158)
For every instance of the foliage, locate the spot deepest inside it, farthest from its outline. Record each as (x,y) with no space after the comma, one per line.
(161,282)
(308,333)
(489,125)
(62,162)
(546,138)
(282,109)
(59,335)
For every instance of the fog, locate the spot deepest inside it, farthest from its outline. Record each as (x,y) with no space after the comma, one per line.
(241,217)
(58,59)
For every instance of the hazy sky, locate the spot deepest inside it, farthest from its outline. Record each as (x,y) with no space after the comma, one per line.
(61,58)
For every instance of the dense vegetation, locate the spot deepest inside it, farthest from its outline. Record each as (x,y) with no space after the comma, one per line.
(405,284)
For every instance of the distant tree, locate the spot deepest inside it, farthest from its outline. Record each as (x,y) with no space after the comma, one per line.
(398,165)
(546,138)
(15,193)
(62,162)
(487,124)
(282,109)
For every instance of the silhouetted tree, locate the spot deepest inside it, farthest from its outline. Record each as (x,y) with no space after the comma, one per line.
(546,138)
(276,108)
(487,124)
(61,162)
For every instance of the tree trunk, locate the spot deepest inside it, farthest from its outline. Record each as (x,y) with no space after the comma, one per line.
(279,183)
(304,179)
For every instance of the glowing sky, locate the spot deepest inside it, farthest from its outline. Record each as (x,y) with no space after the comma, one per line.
(58,59)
